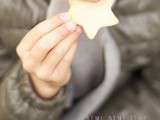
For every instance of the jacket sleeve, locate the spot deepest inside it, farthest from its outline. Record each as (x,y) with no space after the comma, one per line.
(19,101)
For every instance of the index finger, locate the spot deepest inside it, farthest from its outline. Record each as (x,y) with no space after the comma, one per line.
(41,29)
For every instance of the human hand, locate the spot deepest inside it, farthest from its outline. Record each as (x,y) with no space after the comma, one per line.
(47,51)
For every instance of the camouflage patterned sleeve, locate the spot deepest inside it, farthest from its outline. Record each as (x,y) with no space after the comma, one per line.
(19,101)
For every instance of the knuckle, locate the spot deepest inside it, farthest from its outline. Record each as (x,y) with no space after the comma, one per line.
(63,31)
(61,79)
(23,54)
(42,74)
(18,50)
(29,65)
(44,40)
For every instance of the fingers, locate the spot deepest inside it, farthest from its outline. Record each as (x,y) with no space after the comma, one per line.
(61,78)
(54,57)
(58,53)
(46,53)
(49,41)
(41,29)
(70,55)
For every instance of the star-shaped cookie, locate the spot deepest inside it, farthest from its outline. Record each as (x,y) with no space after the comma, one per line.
(92,16)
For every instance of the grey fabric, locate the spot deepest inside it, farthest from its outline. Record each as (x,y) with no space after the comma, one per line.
(96,98)
(138,38)
(83,76)
(95,67)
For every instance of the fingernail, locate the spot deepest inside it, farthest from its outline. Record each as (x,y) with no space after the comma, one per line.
(71,26)
(65,17)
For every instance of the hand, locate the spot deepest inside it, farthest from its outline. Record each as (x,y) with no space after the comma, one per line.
(47,51)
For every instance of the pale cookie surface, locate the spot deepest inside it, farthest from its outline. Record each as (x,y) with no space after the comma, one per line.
(92,16)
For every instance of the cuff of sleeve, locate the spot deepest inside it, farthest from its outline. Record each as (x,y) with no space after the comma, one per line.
(26,92)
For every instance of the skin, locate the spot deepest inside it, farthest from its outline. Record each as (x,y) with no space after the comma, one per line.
(47,51)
